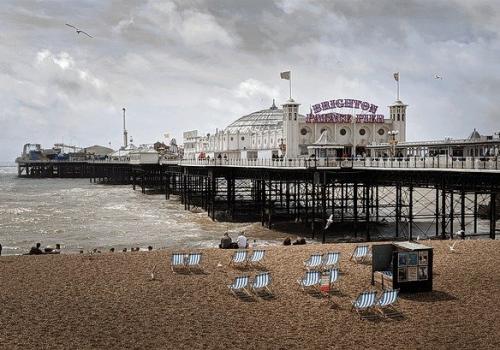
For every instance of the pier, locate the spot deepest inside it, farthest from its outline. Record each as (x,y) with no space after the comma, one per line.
(430,196)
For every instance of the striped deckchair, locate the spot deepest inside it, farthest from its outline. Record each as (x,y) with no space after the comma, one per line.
(333,277)
(239,285)
(331,259)
(310,279)
(261,282)
(364,302)
(360,253)
(256,257)
(313,262)
(177,261)
(239,257)
(194,261)
(387,301)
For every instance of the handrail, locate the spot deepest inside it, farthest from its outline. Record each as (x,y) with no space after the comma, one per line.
(437,162)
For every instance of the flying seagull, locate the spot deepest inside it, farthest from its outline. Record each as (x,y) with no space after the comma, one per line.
(78,31)
(329,221)
(438,77)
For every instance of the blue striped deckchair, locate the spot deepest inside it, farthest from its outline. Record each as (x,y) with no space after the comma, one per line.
(239,285)
(360,253)
(260,282)
(313,262)
(331,259)
(364,302)
(256,257)
(239,257)
(387,300)
(177,261)
(193,261)
(310,279)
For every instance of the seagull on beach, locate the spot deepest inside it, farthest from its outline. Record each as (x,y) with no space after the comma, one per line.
(452,247)
(153,273)
(329,221)
(438,77)
(78,31)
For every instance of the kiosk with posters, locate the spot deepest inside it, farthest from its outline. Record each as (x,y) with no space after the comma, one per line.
(406,266)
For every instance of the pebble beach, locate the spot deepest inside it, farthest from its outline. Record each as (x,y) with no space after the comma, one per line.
(109,301)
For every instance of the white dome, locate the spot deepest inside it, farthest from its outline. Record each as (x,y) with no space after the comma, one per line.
(267,119)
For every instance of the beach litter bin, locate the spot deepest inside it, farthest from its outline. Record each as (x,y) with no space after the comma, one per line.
(406,266)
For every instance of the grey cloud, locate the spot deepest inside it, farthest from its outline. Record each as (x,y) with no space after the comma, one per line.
(203,63)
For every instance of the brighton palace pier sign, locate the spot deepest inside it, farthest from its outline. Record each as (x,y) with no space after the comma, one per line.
(334,117)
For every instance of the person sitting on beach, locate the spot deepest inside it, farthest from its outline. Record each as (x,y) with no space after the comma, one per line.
(225,242)
(299,241)
(0,249)
(36,250)
(242,241)
(287,241)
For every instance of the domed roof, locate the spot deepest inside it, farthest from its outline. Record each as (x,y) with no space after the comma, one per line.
(267,119)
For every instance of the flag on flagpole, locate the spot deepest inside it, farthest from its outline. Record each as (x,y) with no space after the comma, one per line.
(396,76)
(286,75)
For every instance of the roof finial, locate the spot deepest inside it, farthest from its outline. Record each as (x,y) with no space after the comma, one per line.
(274,105)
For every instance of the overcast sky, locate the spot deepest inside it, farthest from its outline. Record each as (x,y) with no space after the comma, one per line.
(200,64)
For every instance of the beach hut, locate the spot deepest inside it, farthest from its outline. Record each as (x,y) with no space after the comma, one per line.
(406,266)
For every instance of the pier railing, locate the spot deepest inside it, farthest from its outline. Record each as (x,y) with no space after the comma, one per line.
(438,162)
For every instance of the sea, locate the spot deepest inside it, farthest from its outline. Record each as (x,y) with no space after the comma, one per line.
(82,216)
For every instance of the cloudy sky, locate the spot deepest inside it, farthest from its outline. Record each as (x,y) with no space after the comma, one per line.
(200,64)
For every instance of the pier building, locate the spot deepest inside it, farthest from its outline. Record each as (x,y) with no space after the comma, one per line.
(334,128)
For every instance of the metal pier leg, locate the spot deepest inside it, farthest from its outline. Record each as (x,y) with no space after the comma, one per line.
(437,211)
(452,216)
(323,204)
(313,205)
(306,216)
(367,211)
(410,212)
(475,212)
(398,210)
(443,213)
(493,214)
(355,208)
(462,213)
(342,198)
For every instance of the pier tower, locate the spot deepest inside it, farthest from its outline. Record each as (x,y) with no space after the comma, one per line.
(291,128)
(397,113)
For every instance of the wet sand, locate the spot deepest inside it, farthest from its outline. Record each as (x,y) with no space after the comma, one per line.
(108,301)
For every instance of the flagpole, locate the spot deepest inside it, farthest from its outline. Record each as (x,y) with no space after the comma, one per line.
(290,83)
(398,86)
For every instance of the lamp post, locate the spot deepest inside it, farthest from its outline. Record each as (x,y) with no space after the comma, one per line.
(393,142)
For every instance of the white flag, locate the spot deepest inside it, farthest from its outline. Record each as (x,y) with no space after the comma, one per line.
(285,75)
(396,76)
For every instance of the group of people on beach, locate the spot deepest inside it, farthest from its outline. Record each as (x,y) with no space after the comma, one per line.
(226,241)
(37,250)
